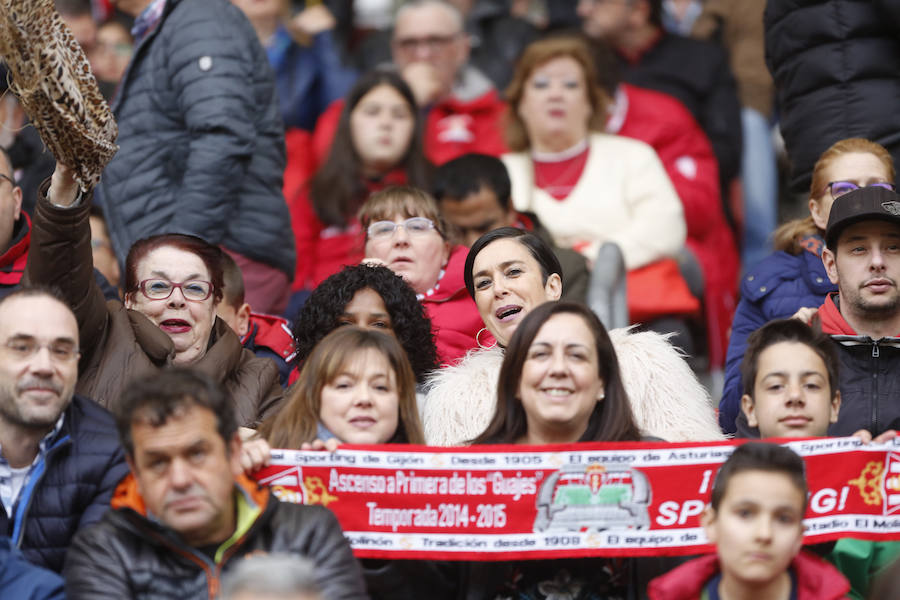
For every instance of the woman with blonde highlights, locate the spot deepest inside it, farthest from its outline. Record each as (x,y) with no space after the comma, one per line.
(793,276)
(356,386)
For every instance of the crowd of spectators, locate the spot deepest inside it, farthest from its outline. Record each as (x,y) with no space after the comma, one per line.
(444,222)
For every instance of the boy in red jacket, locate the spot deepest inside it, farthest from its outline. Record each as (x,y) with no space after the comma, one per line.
(755,519)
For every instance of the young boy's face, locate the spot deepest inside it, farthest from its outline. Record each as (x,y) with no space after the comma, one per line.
(791,394)
(758,528)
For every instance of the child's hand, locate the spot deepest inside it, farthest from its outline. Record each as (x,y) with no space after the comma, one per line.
(330,445)
(255,454)
(865,437)
(806,314)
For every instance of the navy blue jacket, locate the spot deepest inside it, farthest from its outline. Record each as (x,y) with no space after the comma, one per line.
(201,142)
(68,489)
(307,78)
(776,288)
(21,580)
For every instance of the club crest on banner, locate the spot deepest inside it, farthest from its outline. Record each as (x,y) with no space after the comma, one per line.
(593,498)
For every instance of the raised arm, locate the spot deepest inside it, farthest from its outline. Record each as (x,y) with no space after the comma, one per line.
(60,254)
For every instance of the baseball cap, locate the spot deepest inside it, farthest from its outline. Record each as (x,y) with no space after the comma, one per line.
(865,204)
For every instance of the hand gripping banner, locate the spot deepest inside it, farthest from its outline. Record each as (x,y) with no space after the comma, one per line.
(596,499)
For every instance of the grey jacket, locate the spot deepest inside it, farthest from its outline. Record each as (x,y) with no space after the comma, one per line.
(201,138)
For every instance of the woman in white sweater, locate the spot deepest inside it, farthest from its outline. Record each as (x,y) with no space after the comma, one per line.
(508,273)
(586,187)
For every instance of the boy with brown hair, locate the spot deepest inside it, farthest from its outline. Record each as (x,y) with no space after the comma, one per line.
(755,519)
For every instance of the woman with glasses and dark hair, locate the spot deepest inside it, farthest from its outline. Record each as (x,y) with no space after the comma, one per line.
(794,276)
(173,283)
(378,143)
(405,233)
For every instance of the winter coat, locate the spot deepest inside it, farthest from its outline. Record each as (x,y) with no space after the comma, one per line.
(454,315)
(69,488)
(130,555)
(12,262)
(662,122)
(201,143)
(835,62)
(119,345)
(706,89)
(469,120)
(307,78)
(816,579)
(776,288)
(869,375)
(270,337)
(21,580)
(667,400)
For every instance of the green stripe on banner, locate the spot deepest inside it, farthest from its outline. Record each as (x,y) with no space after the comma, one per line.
(592,499)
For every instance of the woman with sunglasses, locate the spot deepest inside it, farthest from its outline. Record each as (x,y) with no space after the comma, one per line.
(405,233)
(173,283)
(793,276)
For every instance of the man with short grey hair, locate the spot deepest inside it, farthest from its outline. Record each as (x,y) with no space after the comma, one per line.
(464,112)
(272,577)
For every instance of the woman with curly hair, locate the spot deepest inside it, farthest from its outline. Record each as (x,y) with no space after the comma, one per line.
(370,297)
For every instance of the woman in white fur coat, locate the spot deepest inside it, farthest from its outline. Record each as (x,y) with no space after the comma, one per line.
(509,272)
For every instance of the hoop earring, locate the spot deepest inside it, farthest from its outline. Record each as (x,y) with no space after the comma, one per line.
(478,340)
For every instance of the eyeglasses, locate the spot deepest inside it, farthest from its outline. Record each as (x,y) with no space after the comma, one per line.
(11,181)
(160,289)
(839,188)
(383,230)
(61,351)
(432,43)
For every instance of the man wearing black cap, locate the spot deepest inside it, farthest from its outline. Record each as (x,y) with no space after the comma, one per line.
(862,257)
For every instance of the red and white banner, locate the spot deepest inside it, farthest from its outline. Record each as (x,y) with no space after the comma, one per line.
(520,502)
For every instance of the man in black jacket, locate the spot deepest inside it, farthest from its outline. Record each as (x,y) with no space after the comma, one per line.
(694,72)
(59,457)
(186,512)
(863,258)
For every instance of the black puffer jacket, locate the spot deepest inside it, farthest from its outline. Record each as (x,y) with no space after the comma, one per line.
(201,139)
(869,375)
(70,488)
(126,555)
(836,65)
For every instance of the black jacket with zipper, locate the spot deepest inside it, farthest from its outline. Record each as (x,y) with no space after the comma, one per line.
(127,555)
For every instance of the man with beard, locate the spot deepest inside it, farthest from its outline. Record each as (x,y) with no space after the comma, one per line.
(60,458)
(862,257)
